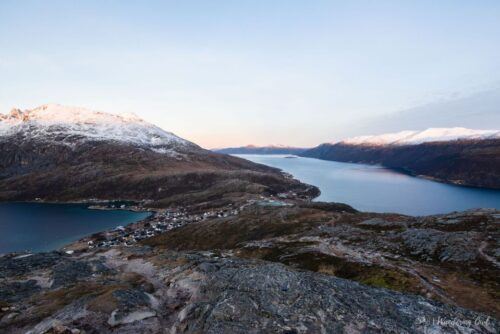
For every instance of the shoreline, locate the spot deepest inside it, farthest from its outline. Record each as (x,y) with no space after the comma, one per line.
(159,220)
(65,247)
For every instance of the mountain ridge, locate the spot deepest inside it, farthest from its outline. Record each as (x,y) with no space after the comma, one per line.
(65,125)
(72,154)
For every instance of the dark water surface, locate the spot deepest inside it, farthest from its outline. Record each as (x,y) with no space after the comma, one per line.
(377,189)
(41,227)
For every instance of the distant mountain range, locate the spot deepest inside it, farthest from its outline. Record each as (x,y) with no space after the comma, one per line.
(272,149)
(59,153)
(454,155)
(425,136)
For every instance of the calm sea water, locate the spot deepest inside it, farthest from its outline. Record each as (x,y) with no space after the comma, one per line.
(41,227)
(377,189)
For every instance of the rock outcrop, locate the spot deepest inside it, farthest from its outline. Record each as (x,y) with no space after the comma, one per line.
(145,290)
(451,258)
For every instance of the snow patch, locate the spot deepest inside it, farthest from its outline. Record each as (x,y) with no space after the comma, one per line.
(114,320)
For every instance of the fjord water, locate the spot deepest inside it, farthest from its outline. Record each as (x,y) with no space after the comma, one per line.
(42,227)
(377,189)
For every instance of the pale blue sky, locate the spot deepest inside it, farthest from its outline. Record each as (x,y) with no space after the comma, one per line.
(224,73)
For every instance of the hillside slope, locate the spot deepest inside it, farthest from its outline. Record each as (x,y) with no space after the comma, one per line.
(61,153)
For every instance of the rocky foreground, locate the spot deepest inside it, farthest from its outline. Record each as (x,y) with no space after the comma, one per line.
(274,267)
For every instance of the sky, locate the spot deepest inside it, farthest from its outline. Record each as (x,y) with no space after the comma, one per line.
(229,73)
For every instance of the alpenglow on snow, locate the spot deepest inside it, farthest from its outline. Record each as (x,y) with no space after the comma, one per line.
(69,125)
(419,137)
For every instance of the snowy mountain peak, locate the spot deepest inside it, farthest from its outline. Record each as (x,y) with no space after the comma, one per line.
(418,137)
(67,125)
(58,114)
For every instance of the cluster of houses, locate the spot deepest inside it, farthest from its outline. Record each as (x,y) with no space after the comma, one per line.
(157,223)
(165,220)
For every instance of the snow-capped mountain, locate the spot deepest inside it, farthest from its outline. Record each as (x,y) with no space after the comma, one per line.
(70,125)
(62,153)
(419,137)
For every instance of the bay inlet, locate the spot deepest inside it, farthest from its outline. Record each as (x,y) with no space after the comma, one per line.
(40,227)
